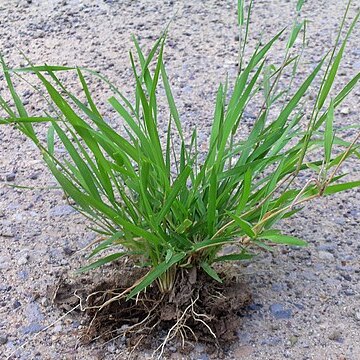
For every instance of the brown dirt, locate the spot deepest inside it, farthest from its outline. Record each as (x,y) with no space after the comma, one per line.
(188,314)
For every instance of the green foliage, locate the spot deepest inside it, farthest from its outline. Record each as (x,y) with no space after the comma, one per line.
(161,204)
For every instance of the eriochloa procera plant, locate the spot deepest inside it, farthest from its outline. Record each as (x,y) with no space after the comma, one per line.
(168,208)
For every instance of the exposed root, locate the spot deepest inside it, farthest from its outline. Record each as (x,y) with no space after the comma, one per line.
(117,297)
(180,326)
(197,317)
(201,310)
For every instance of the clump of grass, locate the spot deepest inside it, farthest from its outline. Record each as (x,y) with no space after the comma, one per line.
(166,208)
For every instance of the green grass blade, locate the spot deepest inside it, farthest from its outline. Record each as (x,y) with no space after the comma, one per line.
(25,120)
(105,260)
(335,66)
(244,225)
(42,68)
(296,98)
(173,109)
(86,174)
(339,98)
(282,239)
(211,206)
(299,5)
(240,12)
(27,127)
(234,257)
(200,246)
(87,93)
(216,126)
(332,189)
(329,133)
(210,271)
(246,189)
(107,243)
(178,185)
(294,34)
(50,137)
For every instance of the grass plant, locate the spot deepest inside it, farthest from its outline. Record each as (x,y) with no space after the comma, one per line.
(165,207)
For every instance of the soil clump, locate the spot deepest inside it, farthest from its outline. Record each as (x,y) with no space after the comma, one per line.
(198,308)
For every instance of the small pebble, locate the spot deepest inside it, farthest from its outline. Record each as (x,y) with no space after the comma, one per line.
(32,329)
(203,357)
(34,176)
(3,339)
(16,304)
(347,277)
(271,341)
(275,327)
(5,288)
(68,251)
(357,315)
(293,340)
(57,328)
(327,248)
(44,302)
(336,335)
(7,232)
(24,259)
(10,177)
(23,275)
(349,292)
(324,255)
(279,312)
(61,210)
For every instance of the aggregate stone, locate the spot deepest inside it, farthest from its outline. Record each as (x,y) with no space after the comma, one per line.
(5,288)
(325,255)
(23,274)
(272,341)
(357,315)
(34,176)
(203,357)
(61,210)
(279,312)
(327,247)
(3,339)
(24,259)
(335,335)
(32,328)
(4,263)
(277,287)
(346,277)
(7,232)
(10,177)
(68,251)
(33,313)
(16,304)
(349,292)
